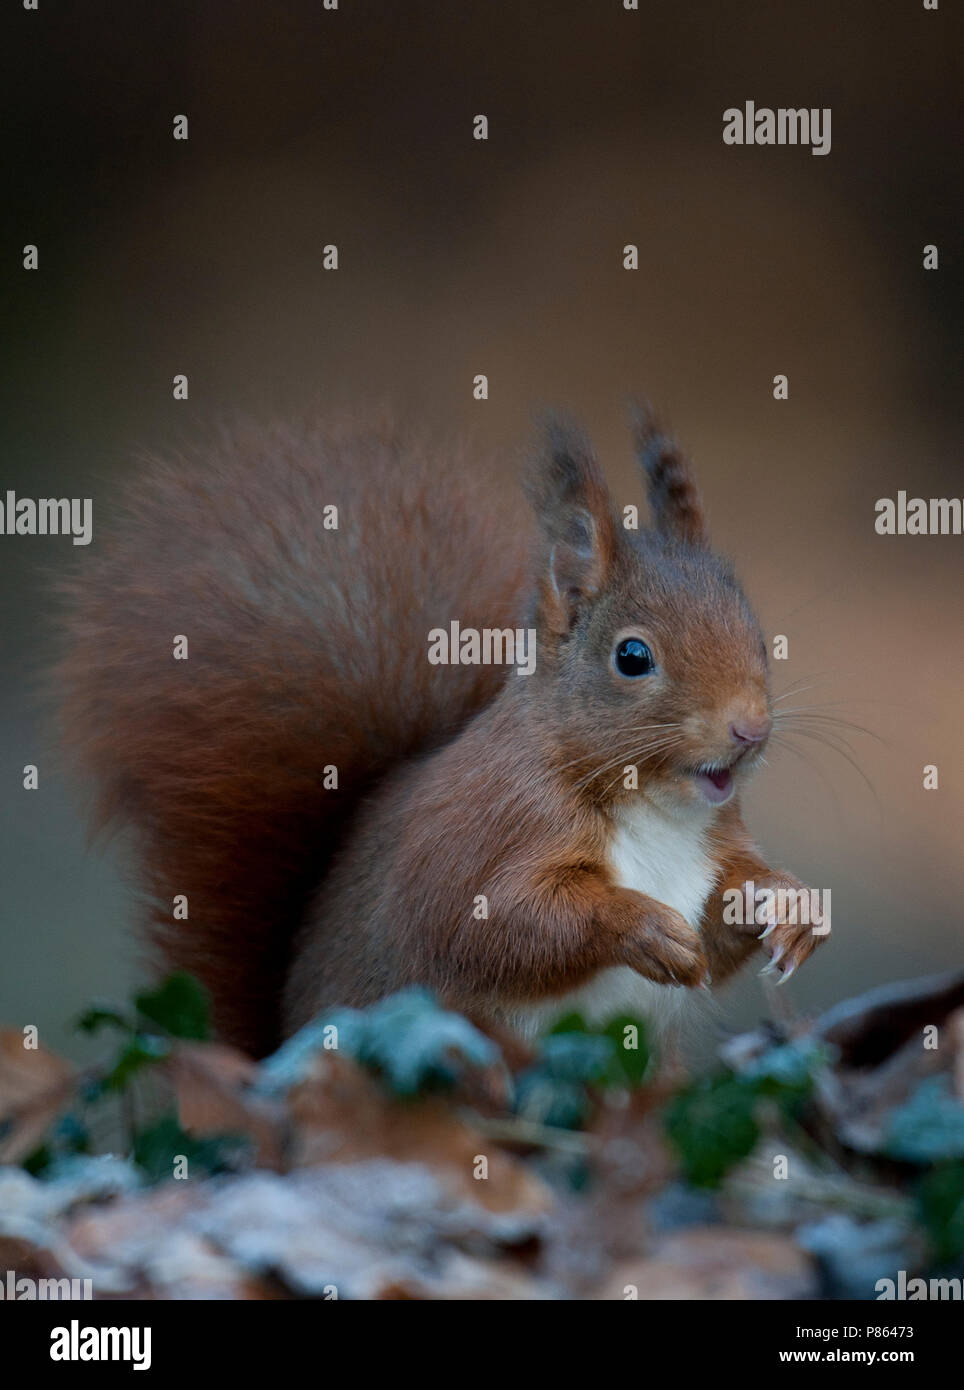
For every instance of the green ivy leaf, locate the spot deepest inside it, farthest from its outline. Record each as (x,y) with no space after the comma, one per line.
(712,1125)
(411,1042)
(552,1101)
(573,1059)
(179,1006)
(569,1023)
(157,1147)
(929,1127)
(632,1064)
(940,1203)
(102,1016)
(38,1160)
(143,1050)
(416,1045)
(584,1057)
(787,1068)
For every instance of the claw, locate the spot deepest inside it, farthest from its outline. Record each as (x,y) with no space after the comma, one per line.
(766,931)
(787,973)
(772,966)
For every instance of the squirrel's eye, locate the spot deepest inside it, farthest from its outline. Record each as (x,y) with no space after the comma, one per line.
(633,658)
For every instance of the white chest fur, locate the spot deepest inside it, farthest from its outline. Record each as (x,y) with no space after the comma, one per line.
(664,856)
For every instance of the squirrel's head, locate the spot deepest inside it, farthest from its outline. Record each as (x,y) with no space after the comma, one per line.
(649,656)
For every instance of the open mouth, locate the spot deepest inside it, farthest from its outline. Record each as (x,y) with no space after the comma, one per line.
(715,784)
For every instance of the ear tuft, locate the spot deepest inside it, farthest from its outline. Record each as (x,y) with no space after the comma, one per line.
(572,504)
(674,498)
(564,477)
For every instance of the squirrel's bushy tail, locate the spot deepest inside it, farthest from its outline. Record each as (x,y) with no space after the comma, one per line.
(306,651)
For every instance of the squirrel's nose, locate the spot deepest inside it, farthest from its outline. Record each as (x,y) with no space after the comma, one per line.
(751,730)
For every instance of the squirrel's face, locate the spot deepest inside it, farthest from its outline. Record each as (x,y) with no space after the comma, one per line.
(663,679)
(654,666)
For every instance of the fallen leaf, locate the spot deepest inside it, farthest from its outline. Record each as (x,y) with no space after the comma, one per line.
(34,1083)
(340,1114)
(871,1027)
(370,1229)
(715,1262)
(212,1085)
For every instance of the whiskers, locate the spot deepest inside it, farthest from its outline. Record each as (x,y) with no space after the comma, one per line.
(817,723)
(796,728)
(663,739)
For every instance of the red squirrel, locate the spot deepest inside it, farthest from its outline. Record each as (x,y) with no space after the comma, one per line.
(346,818)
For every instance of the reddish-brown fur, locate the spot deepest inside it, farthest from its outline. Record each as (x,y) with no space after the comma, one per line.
(309,648)
(505,810)
(306,649)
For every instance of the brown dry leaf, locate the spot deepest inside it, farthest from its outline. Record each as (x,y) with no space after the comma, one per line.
(468,1279)
(340,1115)
(716,1262)
(150,1241)
(211,1083)
(34,1083)
(32,1236)
(633,1156)
(369,1229)
(871,1027)
(629,1162)
(23,1256)
(366,1229)
(882,1058)
(860,1103)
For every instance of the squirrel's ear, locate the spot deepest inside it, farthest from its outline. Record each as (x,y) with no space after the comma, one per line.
(674,498)
(570,498)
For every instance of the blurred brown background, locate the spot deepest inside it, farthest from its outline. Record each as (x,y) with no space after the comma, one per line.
(505,257)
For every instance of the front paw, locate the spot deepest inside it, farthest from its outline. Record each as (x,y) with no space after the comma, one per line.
(790,921)
(662,946)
